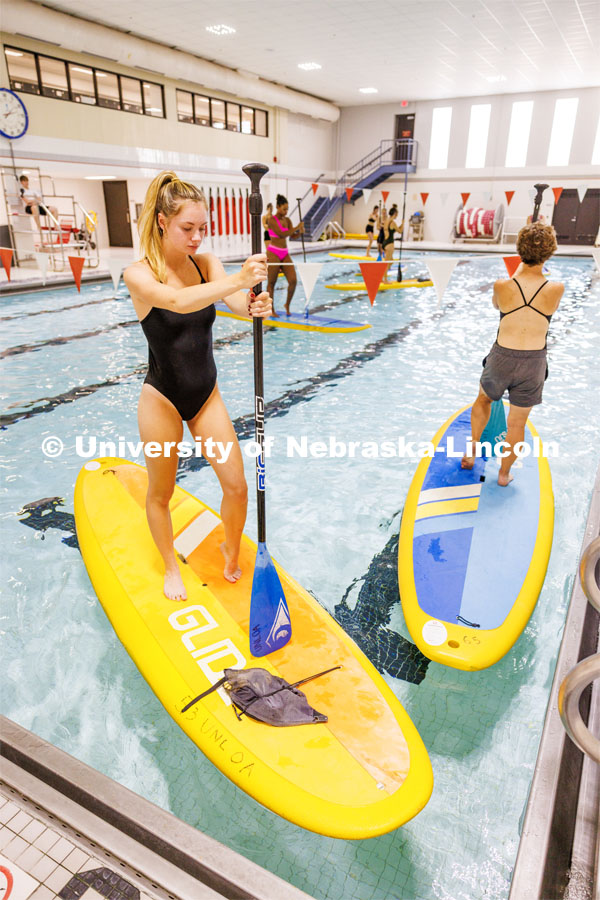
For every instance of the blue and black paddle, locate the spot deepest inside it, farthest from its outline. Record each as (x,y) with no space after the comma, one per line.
(270,625)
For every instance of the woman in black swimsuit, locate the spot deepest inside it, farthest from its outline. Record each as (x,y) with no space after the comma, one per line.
(517,360)
(370,229)
(173,291)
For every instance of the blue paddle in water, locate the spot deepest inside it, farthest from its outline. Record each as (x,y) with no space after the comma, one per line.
(270,625)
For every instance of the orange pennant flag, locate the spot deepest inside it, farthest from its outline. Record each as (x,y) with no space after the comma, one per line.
(349,194)
(424,197)
(509,195)
(76,263)
(557,192)
(385,195)
(465,196)
(512,264)
(315,187)
(6,256)
(373,274)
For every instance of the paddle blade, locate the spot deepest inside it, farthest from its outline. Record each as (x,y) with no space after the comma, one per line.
(495,430)
(270,625)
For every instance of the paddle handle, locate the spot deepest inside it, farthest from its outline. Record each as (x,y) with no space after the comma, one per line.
(255,172)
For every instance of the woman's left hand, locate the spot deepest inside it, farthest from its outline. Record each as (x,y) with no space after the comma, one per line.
(259,306)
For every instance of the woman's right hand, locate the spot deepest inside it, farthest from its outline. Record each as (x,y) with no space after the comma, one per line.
(254,270)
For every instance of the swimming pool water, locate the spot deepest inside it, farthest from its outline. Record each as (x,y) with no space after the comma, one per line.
(73,364)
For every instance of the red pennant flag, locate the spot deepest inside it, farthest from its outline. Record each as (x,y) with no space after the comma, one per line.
(76,263)
(315,187)
(557,192)
(465,196)
(373,274)
(349,193)
(509,195)
(385,195)
(424,197)
(512,264)
(6,256)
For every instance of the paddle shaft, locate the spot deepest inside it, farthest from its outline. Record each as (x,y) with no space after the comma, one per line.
(255,172)
(298,199)
(402,231)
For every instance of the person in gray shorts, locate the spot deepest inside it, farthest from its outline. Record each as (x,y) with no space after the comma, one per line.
(517,361)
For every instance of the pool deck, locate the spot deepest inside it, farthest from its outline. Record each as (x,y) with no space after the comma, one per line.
(67,831)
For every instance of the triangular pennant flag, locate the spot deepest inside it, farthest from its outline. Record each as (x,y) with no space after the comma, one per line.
(331,188)
(509,195)
(581,191)
(6,256)
(76,263)
(512,263)
(373,274)
(532,193)
(443,197)
(366,195)
(596,255)
(465,196)
(385,195)
(349,192)
(315,187)
(42,263)
(115,267)
(424,196)
(309,273)
(440,269)
(557,192)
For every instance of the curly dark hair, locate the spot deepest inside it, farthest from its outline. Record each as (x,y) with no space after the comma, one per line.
(536,243)
(281,200)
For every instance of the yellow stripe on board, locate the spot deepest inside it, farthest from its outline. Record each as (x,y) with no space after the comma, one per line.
(447,508)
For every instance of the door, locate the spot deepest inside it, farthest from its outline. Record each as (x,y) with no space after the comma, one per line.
(116,201)
(405,130)
(575,222)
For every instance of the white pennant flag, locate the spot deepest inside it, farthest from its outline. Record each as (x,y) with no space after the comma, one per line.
(596,255)
(309,272)
(42,263)
(115,267)
(366,195)
(440,269)
(331,188)
(581,191)
(443,197)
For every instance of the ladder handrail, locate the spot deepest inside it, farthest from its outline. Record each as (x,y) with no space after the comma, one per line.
(587,573)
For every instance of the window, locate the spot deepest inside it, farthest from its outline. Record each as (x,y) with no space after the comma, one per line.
(82,84)
(233,117)
(131,94)
(518,134)
(563,125)
(247,120)
(108,90)
(596,150)
(260,123)
(479,127)
(185,107)
(153,99)
(22,71)
(201,110)
(53,73)
(440,137)
(217,113)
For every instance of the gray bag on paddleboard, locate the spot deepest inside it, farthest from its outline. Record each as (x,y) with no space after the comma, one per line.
(266,697)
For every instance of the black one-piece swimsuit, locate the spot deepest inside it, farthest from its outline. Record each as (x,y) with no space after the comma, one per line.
(181,365)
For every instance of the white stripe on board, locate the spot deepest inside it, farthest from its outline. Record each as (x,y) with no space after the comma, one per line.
(192,536)
(450,493)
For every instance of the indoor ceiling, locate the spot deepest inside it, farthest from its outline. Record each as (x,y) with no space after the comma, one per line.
(406,49)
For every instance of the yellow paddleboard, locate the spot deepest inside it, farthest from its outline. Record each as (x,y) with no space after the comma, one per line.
(390,286)
(361,774)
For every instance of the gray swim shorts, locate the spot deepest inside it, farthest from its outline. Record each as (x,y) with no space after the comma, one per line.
(520,372)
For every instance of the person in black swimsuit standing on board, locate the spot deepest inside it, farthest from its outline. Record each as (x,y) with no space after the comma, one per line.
(370,229)
(174,291)
(517,361)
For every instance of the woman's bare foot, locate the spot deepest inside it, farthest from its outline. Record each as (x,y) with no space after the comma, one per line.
(467,462)
(287,309)
(232,571)
(174,586)
(504,480)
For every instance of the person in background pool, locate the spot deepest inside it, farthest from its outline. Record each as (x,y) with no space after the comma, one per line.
(517,360)
(370,229)
(280,228)
(173,292)
(265,222)
(32,203)
(389,233)
(380,226)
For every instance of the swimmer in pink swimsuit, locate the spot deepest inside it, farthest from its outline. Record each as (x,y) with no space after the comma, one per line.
(278,257)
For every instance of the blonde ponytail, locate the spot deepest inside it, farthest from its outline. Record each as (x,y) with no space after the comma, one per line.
(165,195)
